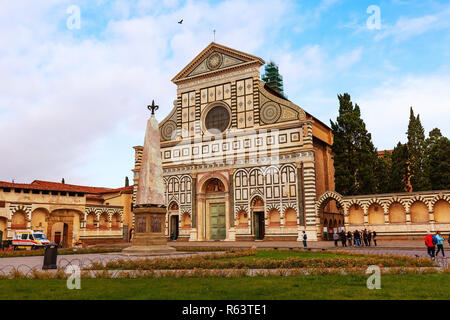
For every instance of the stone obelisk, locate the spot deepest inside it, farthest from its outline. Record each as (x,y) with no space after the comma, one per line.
(150,211)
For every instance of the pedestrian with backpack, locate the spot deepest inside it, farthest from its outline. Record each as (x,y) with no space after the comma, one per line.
(430,244)
(440,244)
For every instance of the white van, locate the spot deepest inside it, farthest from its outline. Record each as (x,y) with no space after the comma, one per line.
(25,239)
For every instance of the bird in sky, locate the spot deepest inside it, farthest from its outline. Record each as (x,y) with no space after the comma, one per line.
(181,21)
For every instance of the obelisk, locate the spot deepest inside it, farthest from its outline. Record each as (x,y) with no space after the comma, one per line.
(150,210)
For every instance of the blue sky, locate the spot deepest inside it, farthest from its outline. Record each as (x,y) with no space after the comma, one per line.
(72,101)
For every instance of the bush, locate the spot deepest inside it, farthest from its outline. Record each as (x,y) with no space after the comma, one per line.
(215,261)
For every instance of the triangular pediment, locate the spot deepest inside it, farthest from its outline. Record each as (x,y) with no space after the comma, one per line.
(215,59)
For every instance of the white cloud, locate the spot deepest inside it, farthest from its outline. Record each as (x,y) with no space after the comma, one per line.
(386,109)
(406,28)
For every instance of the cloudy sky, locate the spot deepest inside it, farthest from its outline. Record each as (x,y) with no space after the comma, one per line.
(72,100)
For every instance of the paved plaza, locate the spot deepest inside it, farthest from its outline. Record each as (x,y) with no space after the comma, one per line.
(413,248)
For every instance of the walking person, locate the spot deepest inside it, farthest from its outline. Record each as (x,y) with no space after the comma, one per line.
(335,238)
(430,245)
(440,244)
(349,238)
(374,236)
(304,239)
(369,237)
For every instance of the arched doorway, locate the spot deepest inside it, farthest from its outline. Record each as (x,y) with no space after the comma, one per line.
(70,220)
(257,209)
(330,209)
(60,234)
(215,205)
(174,220)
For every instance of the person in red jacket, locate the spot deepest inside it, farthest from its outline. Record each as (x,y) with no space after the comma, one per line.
(430,245)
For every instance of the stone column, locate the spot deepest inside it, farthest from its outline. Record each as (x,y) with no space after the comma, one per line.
(310,200)
(300,195)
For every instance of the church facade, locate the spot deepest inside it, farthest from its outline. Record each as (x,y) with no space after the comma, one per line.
(240,161)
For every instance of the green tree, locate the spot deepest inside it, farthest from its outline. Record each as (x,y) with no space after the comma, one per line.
(399,169)
(273,78)
(355,156)
(127,182)
(438,160)
(418,171)
(62,180)
(383,172)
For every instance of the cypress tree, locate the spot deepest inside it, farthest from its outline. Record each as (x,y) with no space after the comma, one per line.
(273,78)
(417,154)
(355,156)
(127,182)
(438,160)
(62,181)
(399,169)
(383,172)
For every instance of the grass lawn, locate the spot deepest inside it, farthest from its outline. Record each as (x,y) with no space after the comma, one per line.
(409,286)
(284,254)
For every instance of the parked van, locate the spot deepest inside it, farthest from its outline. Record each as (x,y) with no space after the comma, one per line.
(25,239)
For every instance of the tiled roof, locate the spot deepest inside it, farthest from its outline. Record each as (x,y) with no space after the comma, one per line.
(56,186)
(382,152)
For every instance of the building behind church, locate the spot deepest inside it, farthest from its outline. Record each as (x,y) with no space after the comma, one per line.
(68,214)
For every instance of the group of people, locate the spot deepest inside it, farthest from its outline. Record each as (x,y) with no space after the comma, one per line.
(355,238)
(433,241)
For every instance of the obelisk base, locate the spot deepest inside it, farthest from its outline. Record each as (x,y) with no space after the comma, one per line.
(149,236)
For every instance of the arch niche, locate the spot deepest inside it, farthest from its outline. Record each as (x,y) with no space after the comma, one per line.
(376,214)
(442,211)
(19,220)
(419,212)
(39,219)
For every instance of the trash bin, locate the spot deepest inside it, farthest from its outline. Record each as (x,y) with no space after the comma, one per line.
(50,255)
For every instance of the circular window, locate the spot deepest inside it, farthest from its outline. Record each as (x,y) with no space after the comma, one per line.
(218,118)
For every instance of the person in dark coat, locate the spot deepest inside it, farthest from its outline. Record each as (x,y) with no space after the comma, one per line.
(365,237)
(357,238)
(369,237)
(374,236)
(349,238)
(343,238)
